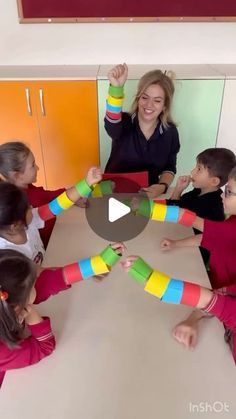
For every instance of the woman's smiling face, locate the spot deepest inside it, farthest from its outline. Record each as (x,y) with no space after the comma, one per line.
(151,103)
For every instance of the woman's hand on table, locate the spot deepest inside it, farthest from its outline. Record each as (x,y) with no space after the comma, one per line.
(153,191)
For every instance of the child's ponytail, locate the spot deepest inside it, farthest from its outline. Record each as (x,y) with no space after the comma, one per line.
(10,328)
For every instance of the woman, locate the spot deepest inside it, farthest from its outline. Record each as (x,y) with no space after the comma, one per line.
(146,139)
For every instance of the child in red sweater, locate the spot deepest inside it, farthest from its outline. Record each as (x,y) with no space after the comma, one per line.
(219,238)
(25,336)
(18,166)
(19,224)
(177,291)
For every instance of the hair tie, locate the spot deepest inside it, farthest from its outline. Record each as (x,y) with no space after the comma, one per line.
(3,295)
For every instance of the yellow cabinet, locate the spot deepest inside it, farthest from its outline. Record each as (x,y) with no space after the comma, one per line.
(58,120)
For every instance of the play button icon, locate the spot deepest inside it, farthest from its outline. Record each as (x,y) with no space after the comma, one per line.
(111,217)
(116,210)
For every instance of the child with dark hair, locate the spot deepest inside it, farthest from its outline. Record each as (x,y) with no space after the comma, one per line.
(219,238)
(19,224)
(25,336)
(18,166)
(211,172)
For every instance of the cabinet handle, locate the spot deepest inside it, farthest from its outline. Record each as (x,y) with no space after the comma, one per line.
(27,94)
(42,102)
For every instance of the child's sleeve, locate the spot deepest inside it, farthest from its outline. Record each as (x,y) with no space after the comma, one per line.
(37,220)
(31,350)
(49,282)
(48,196)
(215,233)
(230,290)
(53,280)
(224,308)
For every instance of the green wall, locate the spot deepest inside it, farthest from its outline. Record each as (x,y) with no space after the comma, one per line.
(196,110)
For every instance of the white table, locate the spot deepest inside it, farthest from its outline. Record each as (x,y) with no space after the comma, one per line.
(115,357)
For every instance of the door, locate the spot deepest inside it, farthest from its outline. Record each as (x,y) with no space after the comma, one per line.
(18,118)
(68,124)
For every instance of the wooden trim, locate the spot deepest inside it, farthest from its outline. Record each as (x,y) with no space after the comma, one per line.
(20,9)
(124,19)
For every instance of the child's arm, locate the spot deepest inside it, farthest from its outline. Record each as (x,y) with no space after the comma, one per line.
(91,186)
(71,195)
(31,350)
(166,288)
(181,184)
(160,212)
(192,241)
(177,291)
(51,281)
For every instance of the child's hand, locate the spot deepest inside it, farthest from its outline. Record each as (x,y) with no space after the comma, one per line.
(82,202)
(118,247)
(183,182)
(94,175)
(30,315)
(167,244)
(117,76)
(99,278)
(186,333)
(128,262)
(24,313)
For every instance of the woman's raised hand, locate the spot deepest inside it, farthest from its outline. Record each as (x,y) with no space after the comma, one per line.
(117,76)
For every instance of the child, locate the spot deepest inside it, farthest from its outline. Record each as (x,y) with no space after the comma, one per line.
(25,336)
(211,172)
(19,224)
(219,238)
(18,166)
(177,291)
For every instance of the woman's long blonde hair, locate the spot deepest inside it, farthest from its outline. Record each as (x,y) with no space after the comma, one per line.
(165,81)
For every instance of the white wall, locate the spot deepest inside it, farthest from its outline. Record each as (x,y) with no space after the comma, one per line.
(137,43)
(226,134)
